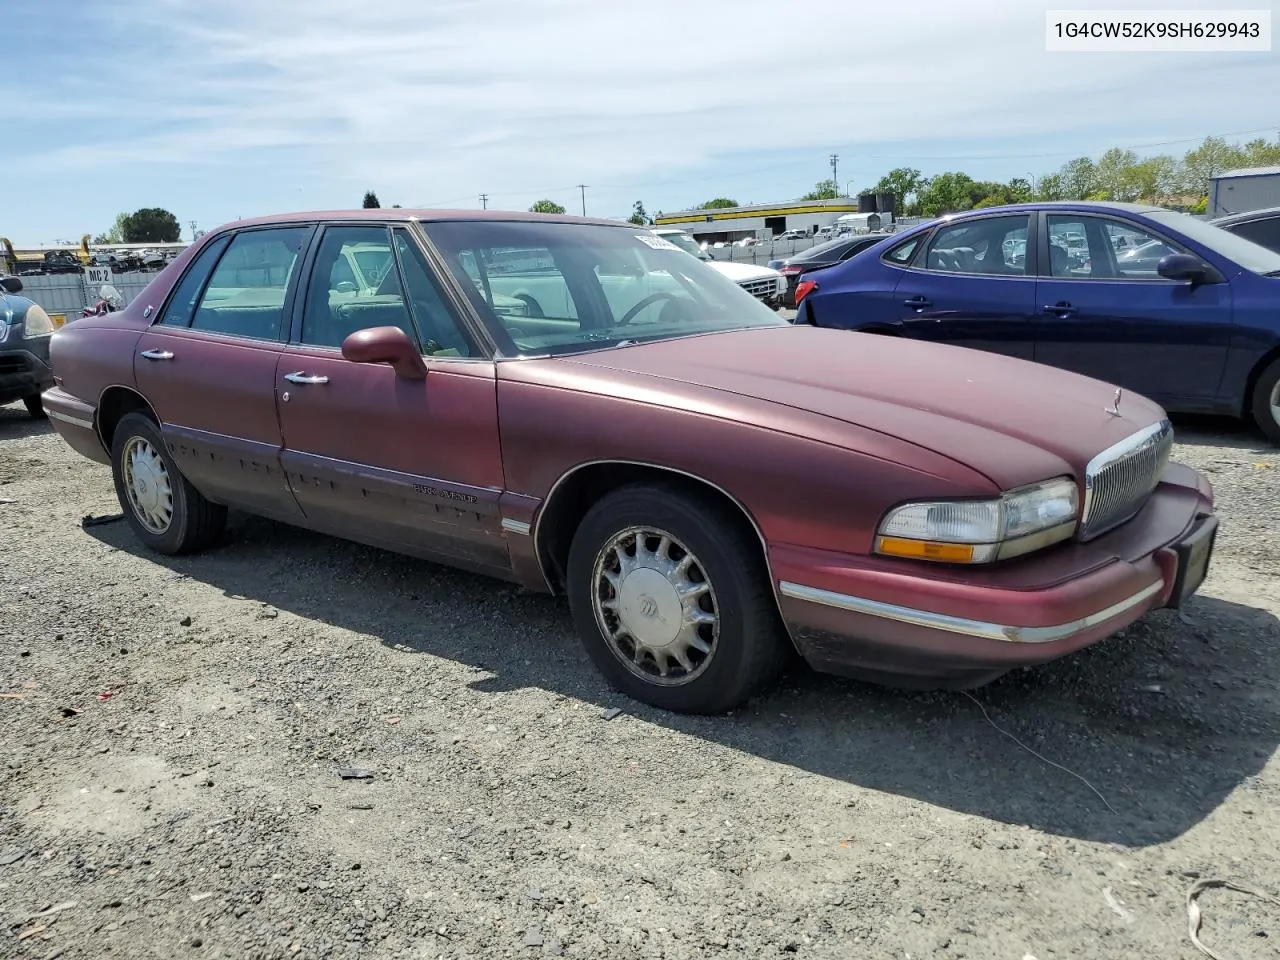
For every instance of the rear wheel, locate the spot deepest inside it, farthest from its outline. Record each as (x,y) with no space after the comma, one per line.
(672,600)
(166,512)
(1266,402)
(35,406)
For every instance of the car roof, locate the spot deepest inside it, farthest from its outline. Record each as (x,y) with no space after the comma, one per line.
(1076,206)
(404,215)
(1266,213)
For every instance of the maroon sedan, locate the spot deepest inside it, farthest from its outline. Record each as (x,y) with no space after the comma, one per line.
(579,406)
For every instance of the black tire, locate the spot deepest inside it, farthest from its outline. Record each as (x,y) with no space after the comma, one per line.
(195,523)
(1267,416)
(751,648)
(35,406)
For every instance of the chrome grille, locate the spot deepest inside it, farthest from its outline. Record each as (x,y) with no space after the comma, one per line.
(761,289)
(1118,481)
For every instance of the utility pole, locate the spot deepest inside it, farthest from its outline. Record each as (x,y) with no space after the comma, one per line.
(835,174)
(193,229)
(583,188)
(484,201)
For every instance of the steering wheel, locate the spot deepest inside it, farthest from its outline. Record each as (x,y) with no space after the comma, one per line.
(646,301)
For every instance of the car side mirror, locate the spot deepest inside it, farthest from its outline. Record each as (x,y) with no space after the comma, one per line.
(1185,268)
(389,345)
(11,284)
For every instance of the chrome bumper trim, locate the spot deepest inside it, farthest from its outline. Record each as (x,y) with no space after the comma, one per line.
(515,526)
(74,421)
(962,625)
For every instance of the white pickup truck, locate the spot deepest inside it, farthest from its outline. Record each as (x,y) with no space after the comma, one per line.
(763,283)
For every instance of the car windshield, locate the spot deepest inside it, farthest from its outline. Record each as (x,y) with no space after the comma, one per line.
(545,287)
(1234,247)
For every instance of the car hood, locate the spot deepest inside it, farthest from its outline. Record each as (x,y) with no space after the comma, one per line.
(1013,421)
(737,272)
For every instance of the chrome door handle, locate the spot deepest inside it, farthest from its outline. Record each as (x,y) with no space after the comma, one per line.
(301,377)
(156,354)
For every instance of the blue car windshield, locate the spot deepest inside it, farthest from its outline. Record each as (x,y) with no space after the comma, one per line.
(1237,249)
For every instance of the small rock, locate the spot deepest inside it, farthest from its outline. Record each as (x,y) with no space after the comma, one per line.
(268,613)
(186,622)
(612,712)
(533,938)
(355,773)
(11,856)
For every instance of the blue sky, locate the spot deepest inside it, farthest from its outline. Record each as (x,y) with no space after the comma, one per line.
(216,109)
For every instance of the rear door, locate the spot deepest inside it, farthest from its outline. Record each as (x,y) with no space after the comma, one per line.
(970,286)
(207,367)
(412,465)
(1108,314)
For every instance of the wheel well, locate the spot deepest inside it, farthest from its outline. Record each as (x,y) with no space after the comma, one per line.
(573,497)
(1254,376)
(115,403)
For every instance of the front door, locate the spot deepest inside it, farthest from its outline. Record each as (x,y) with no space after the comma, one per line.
(207,366)
(1105,312)
(970,287)
(412,465)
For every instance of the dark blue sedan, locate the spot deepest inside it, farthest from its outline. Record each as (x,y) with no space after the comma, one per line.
(25,330)
(1153,301)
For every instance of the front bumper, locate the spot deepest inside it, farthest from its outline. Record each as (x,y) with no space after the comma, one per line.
(863,616)
(24,369)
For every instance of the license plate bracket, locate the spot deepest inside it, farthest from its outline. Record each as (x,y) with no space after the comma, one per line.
(1194,554)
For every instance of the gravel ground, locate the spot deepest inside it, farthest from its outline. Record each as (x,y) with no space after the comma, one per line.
(174,733)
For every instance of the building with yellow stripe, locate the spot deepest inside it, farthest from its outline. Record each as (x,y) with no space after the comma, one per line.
(761,220)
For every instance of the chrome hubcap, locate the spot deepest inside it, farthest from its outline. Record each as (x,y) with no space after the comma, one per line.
(1275,403)
(146,481)
(655,606)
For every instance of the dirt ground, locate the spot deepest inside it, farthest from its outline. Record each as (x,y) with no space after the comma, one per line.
(173,733)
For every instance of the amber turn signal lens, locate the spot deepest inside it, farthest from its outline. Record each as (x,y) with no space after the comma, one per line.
(926,550)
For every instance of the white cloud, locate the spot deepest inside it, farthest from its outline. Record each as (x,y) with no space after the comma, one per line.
(433,99)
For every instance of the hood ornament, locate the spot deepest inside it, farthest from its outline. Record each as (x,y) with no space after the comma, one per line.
(1114,409)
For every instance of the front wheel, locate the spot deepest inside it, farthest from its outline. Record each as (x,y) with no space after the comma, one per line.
(672,600)
(1266,402)
(166,512)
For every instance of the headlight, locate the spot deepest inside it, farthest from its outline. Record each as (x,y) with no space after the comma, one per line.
(980,531)
(37,323)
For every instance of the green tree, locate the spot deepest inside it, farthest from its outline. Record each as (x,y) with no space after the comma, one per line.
(546,206)
(1079,178)
(1050,187)
(1260,153)
(638,216)
(1019,190)
(116,233)
(371,201)
(150,225)
(947,193)
(1212,157)
(1114,175)
(823,190)
(989,201)
(719,203)
(902,182)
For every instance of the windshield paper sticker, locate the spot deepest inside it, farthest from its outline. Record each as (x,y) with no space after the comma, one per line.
(656,242)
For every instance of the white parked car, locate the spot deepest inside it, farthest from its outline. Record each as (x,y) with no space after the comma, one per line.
(763,283)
